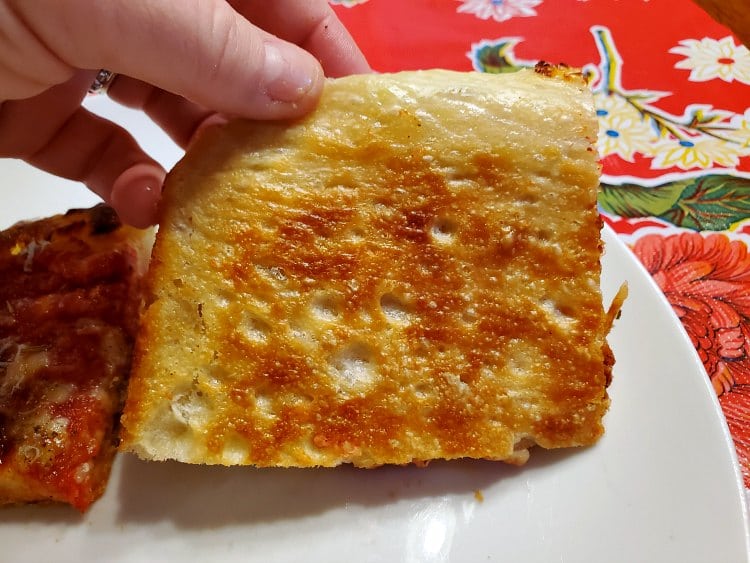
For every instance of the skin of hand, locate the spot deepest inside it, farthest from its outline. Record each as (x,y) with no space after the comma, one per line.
(185,63)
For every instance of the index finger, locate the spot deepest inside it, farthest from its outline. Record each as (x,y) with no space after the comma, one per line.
(314,26)
(200,49)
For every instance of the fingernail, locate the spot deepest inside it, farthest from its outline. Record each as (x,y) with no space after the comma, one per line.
(287,72)
(211,121)
(135,194)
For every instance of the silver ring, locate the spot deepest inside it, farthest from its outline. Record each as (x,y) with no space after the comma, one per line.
(102,82)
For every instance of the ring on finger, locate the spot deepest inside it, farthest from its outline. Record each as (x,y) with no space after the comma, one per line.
(102,81)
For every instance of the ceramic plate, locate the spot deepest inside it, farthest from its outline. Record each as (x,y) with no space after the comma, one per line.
(662,485)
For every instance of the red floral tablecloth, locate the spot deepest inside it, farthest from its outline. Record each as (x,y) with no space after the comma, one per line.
(672,90)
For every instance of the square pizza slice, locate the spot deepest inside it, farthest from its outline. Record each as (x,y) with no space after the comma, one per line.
(411,272)
(69,302)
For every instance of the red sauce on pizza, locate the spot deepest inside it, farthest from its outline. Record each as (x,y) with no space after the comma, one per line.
(69,298)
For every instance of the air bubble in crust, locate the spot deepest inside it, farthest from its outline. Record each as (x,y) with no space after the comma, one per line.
(356,234)
(273,274)
(222,299)
(394,308)
(190,409)
(326,306)
(264,406)
(253,328)
(444,230)
(421,390)
(557,313)
(354,367)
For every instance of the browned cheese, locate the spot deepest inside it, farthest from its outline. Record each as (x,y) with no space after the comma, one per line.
(411,272)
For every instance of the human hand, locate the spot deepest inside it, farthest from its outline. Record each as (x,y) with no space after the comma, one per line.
(185,63)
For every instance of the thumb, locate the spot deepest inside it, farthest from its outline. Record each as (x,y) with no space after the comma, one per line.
(200,49)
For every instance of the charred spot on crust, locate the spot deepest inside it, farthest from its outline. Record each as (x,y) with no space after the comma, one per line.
(104,220)
(560,70)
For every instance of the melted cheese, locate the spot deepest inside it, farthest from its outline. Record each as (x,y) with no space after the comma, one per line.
(26,362)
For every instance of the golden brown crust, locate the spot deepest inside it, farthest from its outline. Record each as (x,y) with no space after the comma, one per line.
(410,273)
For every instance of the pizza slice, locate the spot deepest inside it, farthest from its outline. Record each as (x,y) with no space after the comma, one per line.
(411,272)
(69,302)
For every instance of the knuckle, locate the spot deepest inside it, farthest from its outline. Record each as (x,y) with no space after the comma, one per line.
(234,48)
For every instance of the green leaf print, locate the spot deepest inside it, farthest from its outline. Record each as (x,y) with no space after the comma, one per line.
(497,58)
(713,202)
(634,200)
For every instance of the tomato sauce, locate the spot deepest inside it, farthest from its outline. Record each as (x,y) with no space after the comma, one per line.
(66,332)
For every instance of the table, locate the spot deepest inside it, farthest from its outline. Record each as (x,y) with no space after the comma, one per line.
(672,90)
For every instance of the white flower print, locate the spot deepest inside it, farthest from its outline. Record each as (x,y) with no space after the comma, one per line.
(695,152)
(499,10)
(709,59)
(622,128)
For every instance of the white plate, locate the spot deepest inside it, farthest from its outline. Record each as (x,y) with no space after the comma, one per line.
(662,485)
